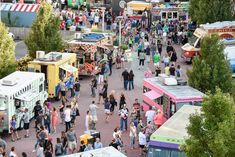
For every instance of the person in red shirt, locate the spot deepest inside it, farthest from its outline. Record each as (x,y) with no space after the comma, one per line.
(158,119)
(76,19)
(62,25)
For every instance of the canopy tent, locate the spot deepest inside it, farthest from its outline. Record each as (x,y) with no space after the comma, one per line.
(139,6)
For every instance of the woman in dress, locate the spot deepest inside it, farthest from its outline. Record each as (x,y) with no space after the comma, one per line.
(54,119)
(14,129)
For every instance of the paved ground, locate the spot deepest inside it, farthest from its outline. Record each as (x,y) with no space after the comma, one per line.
(20,50)
(106,129)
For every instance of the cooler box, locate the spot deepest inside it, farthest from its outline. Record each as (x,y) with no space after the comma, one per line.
(93,133)
(87,138)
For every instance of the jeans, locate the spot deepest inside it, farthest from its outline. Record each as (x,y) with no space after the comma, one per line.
(125,84)
(71,92)
(131,85)
(93,91)
(123,124)
(67,125)
(110,70)
(132,141)
(48,125)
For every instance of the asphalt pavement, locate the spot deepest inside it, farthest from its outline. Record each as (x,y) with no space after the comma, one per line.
(20,50)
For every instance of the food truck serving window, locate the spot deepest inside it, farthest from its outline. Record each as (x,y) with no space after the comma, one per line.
(153,152)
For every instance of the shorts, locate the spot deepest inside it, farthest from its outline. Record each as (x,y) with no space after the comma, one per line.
(107,111)
(142,146)
(72,145)
(77,93)
(26,126)
(63,93)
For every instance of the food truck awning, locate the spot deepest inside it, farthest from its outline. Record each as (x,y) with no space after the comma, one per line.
(188,47)
(68,68)
(152,95)
(28,96)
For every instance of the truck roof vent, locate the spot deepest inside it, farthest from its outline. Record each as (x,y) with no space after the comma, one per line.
(9,82)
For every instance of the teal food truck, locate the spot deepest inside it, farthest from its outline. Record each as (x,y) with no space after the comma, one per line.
(166,140)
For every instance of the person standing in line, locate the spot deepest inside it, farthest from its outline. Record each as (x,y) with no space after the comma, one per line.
(158,119)
(47,122)
(77,87)
(110,65)
(132,135)
(71,86)
(54,119)
(172,70)
(106,72)
(142,141)
(63,91)
(101,74)
(131,80)
(93,86)
(72,140)
(67,114)
(26,122)
(92,109)
(125,77)
(166,59)
(13,129)
(123,113)
(150,114)
(141,59)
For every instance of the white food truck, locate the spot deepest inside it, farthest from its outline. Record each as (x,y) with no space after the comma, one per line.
(18,91)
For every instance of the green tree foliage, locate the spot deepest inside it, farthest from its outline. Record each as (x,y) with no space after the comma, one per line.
(45,32)
(211,69)
(7,52)
(204,11)
(211,133)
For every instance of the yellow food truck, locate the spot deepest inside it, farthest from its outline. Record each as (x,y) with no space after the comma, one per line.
(56,66)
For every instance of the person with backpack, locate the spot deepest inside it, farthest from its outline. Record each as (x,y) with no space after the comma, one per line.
(58,147)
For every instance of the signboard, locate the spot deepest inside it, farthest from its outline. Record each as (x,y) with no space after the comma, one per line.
(129,11)
(221,30)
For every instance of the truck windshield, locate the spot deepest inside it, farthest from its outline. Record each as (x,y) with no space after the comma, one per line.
(153,152)
(194,41)
(180,104)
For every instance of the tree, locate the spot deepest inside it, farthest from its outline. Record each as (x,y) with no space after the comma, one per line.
(204,11)
(7,52)
(45,32)
(211,132)
(211,69)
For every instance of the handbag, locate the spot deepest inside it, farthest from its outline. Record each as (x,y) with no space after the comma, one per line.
(77,112)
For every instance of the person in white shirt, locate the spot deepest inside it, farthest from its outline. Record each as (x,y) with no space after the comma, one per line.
(132,135)
(150,114)
(92,109)
(67,117)
(12,152)
(123,113)
(88,120)
(97,19)
(40,151)
(142,141)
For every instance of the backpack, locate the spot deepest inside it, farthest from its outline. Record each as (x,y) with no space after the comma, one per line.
(59,149)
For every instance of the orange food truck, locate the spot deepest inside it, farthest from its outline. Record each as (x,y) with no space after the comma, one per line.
(225,30)
(166,94)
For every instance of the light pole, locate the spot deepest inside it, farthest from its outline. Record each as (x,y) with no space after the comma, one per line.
(103,10)
(119,18)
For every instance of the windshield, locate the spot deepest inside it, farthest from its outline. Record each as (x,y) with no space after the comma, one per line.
(180,104)
(192,40)
(153,152)
(2,104)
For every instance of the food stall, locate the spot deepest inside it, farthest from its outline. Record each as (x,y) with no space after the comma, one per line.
(225,30)
(56,66)
(171,12)
(18,91)
(135,9)
(166,140)
(166,94)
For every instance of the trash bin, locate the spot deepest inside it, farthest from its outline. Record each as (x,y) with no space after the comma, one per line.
(93,133)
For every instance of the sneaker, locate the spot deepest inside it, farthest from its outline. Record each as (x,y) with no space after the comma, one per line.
(34,151)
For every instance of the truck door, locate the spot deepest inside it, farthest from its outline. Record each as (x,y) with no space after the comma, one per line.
(44,70)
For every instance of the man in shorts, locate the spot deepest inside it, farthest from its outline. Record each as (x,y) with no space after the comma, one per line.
(72,140)
(26,122)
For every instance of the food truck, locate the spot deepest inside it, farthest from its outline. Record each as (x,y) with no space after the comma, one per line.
(18,91)
(101,152)
(171,12)
(56,66)
(166,140)
(165,94)
(90,49)
(225,30)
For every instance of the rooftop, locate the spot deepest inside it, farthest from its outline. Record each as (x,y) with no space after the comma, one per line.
(219,25)
(179,92)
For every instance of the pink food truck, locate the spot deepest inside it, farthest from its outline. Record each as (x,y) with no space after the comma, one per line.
(166,94)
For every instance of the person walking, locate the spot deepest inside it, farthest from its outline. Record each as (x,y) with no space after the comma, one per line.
(54,119)
(122,101)
(125,78)
(58,147)
(13,129)
(77,87)
(61,109)
(142,141)
(67,115)
(148,53)
(40,150)
(141,59)
(156,59)
(101,74)
(93,86)
(131,80)
(106,71)
(107,107)
(110,63)
(123,113)
(105,90)
(88,120)
(47,122)
(112,101)
(159,46)
(92,109)
(132,134)
(64,141)
(72,140)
